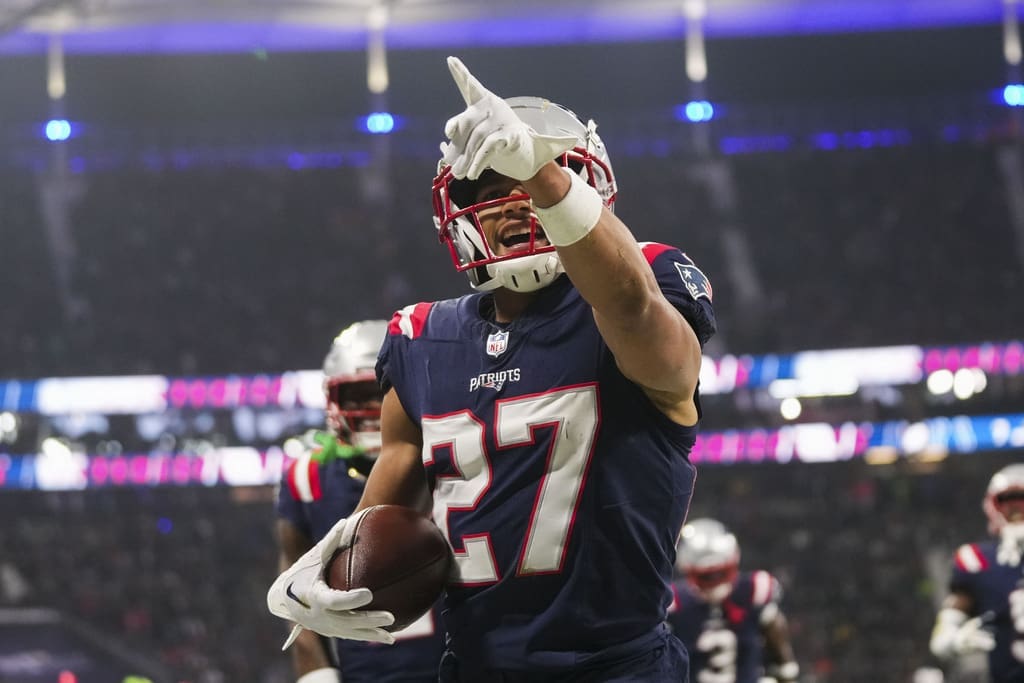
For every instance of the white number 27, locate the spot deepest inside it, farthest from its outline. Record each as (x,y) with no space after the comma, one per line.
(572,415)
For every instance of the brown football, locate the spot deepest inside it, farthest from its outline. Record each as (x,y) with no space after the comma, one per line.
(398,554)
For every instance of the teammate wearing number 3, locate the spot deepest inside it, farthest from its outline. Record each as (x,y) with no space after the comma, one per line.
(984,611)
(546,419)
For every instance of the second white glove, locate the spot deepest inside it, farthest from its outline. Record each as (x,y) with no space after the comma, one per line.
(301,595)
(955,635)
(488,134)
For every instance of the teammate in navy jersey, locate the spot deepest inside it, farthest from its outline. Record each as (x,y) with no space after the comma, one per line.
(323,485)
(729,621)
(545,419)
(984,611)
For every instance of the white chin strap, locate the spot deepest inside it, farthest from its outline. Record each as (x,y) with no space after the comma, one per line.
(526,273)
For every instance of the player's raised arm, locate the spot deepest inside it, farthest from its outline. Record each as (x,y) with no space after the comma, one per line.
(653,343)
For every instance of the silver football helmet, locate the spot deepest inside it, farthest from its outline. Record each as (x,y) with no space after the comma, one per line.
(350,384)
(708,555)
(1004,498)
(456,206)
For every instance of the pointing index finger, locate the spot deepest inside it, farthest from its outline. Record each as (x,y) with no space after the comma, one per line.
(472,90)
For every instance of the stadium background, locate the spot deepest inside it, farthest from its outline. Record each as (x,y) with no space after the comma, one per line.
(193,201)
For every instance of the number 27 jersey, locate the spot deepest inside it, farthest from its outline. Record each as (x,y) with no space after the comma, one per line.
(559,485)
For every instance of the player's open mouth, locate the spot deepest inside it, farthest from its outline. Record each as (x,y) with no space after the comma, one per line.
(516,239)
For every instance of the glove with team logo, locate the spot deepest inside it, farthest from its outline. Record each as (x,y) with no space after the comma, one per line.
(301,595)
(488,134)
(955,635)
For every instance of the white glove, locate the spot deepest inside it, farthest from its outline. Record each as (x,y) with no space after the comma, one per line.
(488,134)
(1011,544)
(973,637)
(300,594)
(955,635)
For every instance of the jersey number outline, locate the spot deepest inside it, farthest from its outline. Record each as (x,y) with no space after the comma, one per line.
(573,416)
(721,647)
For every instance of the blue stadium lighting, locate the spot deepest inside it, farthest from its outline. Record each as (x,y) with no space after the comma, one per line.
(826,141)
(1013,95)
(57,130)
(696,111)
(379,123)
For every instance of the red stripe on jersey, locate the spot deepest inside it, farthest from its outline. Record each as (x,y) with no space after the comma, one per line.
(970,559)
(762,588)
(290,478)
(410,320)
(314,479)
(653,250)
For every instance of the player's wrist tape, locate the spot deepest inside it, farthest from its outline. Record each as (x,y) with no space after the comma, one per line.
(325,675)
(572,218)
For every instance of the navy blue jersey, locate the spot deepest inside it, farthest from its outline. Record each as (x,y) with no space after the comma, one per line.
(725,639)
(995,589)
(558,483)
(316,492)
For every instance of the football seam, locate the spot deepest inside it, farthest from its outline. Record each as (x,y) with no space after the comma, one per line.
(351,555)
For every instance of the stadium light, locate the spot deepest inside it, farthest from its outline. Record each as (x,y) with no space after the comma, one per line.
(57,130)
(379,123)
(790,408)
(940,382)
(1013,95)
(968,381)
(696,111)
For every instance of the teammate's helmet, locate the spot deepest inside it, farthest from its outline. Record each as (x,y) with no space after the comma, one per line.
(350,384)
(709,556)
(455,207)
(1004,498)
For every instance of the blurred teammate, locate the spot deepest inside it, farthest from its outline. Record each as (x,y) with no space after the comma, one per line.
(729,620)
(984,611)
(324,485)
(546,419)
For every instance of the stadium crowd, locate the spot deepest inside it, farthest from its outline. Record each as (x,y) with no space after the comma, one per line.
(207,270)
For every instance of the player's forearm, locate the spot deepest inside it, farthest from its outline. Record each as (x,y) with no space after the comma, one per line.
(777,643)
(597,250)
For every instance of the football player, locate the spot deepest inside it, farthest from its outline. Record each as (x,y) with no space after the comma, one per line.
(984,611)
(324,484)
(730,621)
(546,419)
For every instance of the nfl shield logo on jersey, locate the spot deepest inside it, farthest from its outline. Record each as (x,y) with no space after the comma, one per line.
(497,343)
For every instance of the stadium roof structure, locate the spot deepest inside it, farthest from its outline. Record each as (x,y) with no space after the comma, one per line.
(176,26)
